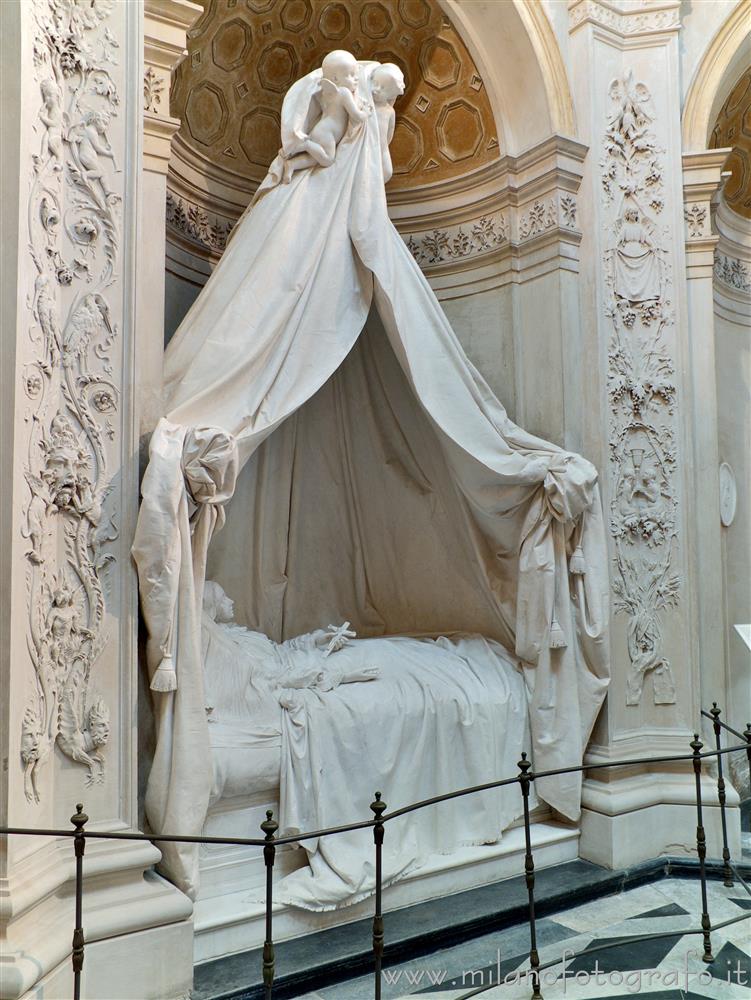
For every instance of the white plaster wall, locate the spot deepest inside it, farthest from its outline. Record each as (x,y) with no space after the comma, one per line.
(484,324)
(179,296)
(733,368)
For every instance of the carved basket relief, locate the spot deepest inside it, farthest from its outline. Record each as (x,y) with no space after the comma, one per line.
(70,382)
(641,385)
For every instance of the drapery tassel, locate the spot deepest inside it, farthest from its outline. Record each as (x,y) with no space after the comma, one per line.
(557,638)
(165,678)
(577,564)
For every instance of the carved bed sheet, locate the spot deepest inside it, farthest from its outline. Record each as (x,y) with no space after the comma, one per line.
(328,721)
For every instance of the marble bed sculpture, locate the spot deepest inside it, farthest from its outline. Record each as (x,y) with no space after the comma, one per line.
(304,722)
(320,410)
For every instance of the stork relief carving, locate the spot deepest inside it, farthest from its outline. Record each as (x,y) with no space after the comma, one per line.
(641,385)
(74,245)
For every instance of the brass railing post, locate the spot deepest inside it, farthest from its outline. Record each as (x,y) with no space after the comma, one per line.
(726,871)
(378,807)
(529,873)
(269,827)
(701,850)
(79,843)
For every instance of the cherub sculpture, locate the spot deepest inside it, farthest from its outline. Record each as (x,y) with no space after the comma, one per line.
(53,118)
(387,84)
(339,109)
(90,141)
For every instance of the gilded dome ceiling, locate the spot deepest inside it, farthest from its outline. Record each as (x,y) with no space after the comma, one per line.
(244,54)
(733,128)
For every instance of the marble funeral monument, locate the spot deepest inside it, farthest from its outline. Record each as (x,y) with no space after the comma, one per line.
(322,413)
(354,571)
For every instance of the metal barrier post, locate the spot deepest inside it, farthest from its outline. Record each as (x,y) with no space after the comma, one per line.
(378,808)
(269,827)
(529,874)
(701,850)
(79,843)
(726,871)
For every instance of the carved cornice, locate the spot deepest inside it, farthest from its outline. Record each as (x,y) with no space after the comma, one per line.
(628,18)
(530,196)
(164,30)
(166,23)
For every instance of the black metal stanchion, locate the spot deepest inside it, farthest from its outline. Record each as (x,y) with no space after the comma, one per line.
(701,850)
(269,827)
(529,872)
(79,843)
(726,871)
(378,807)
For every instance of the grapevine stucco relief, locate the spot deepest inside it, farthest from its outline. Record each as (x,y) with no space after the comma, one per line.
(74,245)
(641,385)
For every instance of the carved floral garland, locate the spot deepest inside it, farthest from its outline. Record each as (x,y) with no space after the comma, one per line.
(641,385)
(74,242)
(456,242)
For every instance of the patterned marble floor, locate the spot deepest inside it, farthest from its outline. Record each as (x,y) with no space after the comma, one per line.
(669,967)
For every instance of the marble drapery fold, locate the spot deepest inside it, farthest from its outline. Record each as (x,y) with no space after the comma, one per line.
(275,322)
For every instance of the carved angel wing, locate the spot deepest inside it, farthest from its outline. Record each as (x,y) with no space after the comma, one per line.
(39,489)
(300,109)
(329,91)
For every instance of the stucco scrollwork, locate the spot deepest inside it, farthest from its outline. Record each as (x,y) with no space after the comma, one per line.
(540,216)
(74,244)
(153,90)
(627,20)
(642,388)
(453,243)
(732,272)
(196,224)
(696,217)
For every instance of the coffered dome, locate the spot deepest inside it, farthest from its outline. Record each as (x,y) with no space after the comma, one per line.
(244,54)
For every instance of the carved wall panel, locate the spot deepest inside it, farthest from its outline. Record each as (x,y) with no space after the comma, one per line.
(242,57)
(71,380)
(641,385)
(733,128)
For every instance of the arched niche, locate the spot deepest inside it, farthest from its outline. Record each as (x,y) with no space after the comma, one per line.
(486,169)
(725,59)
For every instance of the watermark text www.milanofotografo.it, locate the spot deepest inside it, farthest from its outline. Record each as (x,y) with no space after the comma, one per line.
(633,981)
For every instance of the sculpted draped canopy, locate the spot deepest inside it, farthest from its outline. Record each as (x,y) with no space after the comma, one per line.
(373,475)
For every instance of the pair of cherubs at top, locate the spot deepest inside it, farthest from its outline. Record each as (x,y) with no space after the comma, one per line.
(340,111)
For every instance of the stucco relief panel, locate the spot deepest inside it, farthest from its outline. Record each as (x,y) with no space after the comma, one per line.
(70,377)
(641,385)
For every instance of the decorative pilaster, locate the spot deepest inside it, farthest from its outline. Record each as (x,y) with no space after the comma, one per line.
(645,376)
(702,178)
(70,676)
(165,26)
